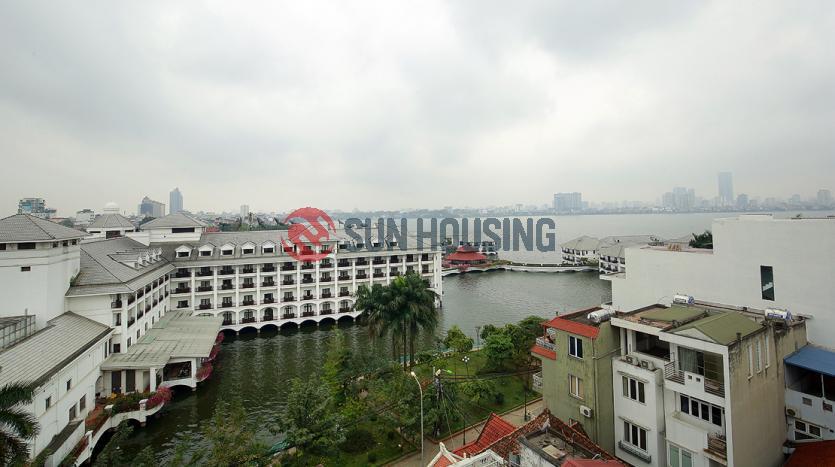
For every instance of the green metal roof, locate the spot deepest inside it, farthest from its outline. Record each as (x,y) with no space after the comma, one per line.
(673,313)
(722,328)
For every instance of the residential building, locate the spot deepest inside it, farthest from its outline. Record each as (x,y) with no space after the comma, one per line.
(726,188)
(575,380)
(756,260)
(568,202)
(175,201)
(810,394)
(150,208)
(84,217)
(35,207)
(611,251)
(701,385)
(244,212)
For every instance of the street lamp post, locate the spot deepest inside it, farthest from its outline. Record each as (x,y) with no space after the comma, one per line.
(420,388)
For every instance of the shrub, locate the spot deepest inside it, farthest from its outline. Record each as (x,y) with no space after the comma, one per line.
(162,396)
(372,457)
(390,435)
(358,440)
(499,398)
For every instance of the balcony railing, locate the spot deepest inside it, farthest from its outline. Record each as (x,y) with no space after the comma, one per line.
(227,322)
(205,306)
(268,269)
(361,275)
(247,285)
(327,295)
(288,316)
(546,344)
(182,305)
(268,284)
(226,286)
(248,270)
(246,302)
(325,264)
(379,261)
(344,293)
(307,280)
(204,273)
(379,274)
(204,288)
(326,312)
(343,263)
(344,277)
(248,320)
(289,298)
(326,279)
(308,297)
(308,313)
(307,266)
(226,272)
(226,305)
(711,386)
(268,300)
(180,274)
(362,262)
(288,267)
(288,282)
(344,309)
(717,445)
(635,451)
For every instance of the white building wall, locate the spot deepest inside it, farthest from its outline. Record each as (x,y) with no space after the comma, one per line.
(83,373)
(41,289)
(802,253)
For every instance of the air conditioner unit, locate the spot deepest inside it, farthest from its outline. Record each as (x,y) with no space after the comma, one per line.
(645,364)
(585,411)
(629,359)
(792,411)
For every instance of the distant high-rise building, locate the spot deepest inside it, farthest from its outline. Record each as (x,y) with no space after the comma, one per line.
(742,201)
(681,199)
(244,211)
(568,202)
(36,207)
(175,201)
(824,198)
(726,189)
(151,208)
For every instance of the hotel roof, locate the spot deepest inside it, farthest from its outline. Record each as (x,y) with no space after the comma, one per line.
(110,221)
(175,335)
(582,243)
(176,220)
(35,359)
(26,228)
(106,267)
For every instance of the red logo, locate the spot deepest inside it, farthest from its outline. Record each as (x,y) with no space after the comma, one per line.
(310,231)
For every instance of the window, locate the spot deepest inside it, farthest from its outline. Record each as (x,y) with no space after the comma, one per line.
(767,282)
(128,342)
(25,268)
(72,413)
(635,435)
(700,409)
(117,348)
(25,246)
(82,403)
(182,230)
(117,319)
(575,386)
(759,354)
(182,254)
(575,347)
(767,351)
(48,403)
(750,361)
(226,252)
(633,389)
(680,457)
(69,384)
(206,253)
(248,251)
(803,430)
(2,246)
(268,249)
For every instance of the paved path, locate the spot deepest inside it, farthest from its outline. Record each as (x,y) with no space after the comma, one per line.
(431,449)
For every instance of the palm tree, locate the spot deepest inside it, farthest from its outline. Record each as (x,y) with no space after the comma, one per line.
(420,312)
(374,302)
(703,240)
(16,425)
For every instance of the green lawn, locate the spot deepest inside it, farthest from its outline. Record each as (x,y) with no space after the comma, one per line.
(511,388)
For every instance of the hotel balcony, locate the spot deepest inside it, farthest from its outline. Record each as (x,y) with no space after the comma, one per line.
(288,267)
(251,319)
(204,273)
(326,312)
(116,304)
(205,306)
(228,304)
(289,298)
(362,275)
(308,297)
(247,302)
(395,273)
(248,270)
(307,266)
(308,313)
(182,273)
(344,277)
(226,286)
(288,282)
(343,263)
(694,384)
(288,316)
(411,259)
(268,300)
(326,279)
(325,264)
(307,280)
(226,272)
(248,285)
(269,283)
(182,290)
(204,288)
(327,295)
(183,305)
(362,262)
(344,309)
(344,293)
(227,322)
(378,275)
(268,268)
(378,261)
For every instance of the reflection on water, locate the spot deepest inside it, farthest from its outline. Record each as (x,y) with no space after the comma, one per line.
(257,368)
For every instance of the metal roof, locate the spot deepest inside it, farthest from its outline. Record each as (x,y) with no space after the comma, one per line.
(721,328)
(178,219)
(27,228)
(110,221)
(813,358)
(178,334)
(582,243)
(43,354)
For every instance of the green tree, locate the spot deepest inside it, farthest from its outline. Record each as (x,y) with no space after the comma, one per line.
(702,240)
(17,426)
(498,350)
(112,454)
(458,341)
(308,421)
(337,369)
(231,436)
(375,303)
(418,308)
(487,330)
(531,328)
(478,391)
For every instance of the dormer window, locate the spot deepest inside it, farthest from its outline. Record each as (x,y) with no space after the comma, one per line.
(206,253)
(248,251)
(227,252)
(268,249)
(182,254)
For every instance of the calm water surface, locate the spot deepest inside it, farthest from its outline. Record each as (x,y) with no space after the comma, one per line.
(258,368)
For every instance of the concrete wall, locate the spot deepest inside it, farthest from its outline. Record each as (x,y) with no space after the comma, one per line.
(757,404)
(41,289)
(800,251)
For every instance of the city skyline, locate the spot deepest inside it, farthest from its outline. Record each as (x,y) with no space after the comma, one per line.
(298,109)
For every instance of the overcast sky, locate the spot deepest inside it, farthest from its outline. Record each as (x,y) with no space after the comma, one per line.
(353,104)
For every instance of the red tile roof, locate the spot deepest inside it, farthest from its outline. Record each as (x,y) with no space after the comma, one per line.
(818,454)
(544,352)
(573,327)
(494,429)
(591,463)
(473,256)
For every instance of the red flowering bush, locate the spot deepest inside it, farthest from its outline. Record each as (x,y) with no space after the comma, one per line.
(160,397)
(204,372)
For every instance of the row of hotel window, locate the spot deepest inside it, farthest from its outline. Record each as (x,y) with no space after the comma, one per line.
(32,245)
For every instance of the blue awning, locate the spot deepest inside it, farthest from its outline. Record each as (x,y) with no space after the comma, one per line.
(814,359)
